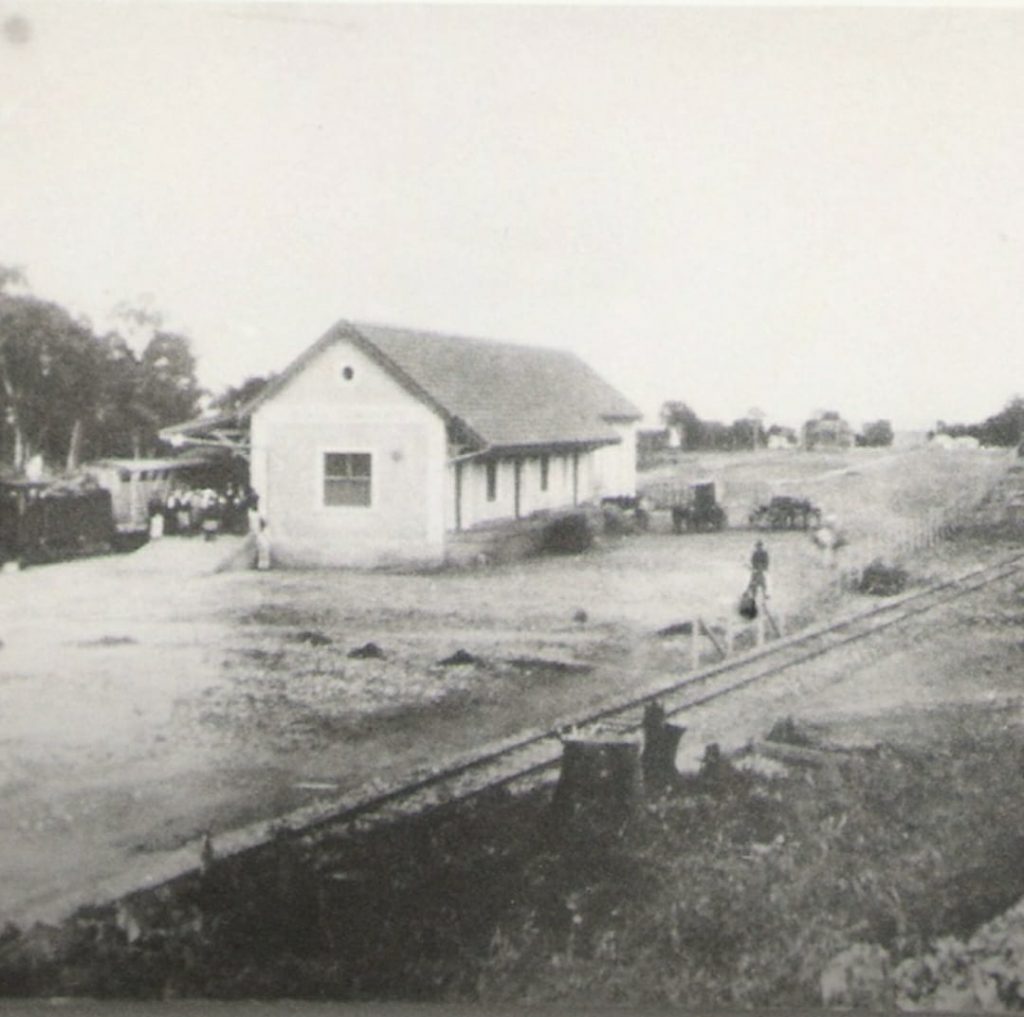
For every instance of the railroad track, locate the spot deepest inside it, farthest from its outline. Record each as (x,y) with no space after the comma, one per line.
(532,759)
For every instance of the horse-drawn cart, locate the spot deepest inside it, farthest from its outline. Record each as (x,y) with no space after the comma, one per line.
(786,513)
(694,506)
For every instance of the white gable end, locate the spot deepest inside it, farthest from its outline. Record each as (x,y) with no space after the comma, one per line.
(342,376)
(349,466)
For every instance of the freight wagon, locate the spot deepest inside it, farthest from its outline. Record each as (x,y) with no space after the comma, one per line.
(41,521)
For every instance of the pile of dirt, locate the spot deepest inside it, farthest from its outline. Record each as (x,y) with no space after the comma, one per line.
(368,651)
(460,658)
(676,629)
(312,638)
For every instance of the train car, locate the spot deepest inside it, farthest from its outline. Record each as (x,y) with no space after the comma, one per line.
(135,483)
(42,521)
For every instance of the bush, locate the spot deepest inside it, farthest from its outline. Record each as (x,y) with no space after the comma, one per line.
(568,534)
(881,580)
(616,521)
(788,732)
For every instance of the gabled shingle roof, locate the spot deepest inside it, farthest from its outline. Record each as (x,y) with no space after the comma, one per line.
(501,395)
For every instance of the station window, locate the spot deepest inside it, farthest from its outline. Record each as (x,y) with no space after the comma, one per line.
(492,481)
(347,477)
(545,465)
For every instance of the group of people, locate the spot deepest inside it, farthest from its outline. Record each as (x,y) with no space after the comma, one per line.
(188,512)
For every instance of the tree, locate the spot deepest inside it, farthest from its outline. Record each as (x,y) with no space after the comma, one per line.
(677,416)
(48,374)
(716,435)
(744,433)
(1005,428)
(145,392)
(64,392)
(757,416)
(168,385)
(121,420)
(234,397)
(877,434)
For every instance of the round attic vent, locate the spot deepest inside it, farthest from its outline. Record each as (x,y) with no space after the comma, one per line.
(348,373)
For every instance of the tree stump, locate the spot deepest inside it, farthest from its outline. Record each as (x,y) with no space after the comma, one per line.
(661,742)
(598,786)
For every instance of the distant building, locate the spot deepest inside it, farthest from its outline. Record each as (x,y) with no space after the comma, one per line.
(947,441)
(378,444)
(651,441)
(781,437)
(827,431)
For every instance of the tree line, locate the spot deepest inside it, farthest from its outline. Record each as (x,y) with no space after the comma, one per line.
(70,393)
(1005,428)
(750,432)
(697,434)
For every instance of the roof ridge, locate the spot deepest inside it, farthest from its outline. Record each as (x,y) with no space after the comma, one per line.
(497,392)
(431,333)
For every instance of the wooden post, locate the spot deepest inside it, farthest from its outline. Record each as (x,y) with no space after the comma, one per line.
(722,650)
(598,786)
(695,644)
(661,742)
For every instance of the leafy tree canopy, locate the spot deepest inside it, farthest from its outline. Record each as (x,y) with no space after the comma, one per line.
(66,392)
(234,397)
(1005,428)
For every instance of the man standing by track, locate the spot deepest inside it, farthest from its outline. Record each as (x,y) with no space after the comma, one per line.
(759,570)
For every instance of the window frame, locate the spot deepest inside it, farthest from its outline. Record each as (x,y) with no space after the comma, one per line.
(491,468)
(545,471)
(322,479)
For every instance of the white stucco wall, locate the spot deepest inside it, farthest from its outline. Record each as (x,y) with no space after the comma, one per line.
(320,411)
(475,508)
(615,465)
(413,485)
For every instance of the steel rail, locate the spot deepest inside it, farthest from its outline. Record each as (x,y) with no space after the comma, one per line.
(525,761)
(796,649)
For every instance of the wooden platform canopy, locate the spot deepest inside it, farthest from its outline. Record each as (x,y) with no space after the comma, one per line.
(225,431)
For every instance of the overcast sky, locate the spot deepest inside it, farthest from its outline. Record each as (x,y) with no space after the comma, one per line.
(790,209)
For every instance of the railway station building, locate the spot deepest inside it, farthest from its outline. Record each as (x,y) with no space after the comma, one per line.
(382,445)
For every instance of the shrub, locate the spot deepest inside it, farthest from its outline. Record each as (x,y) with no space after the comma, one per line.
(788,732)
(882,580)
(569,534)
